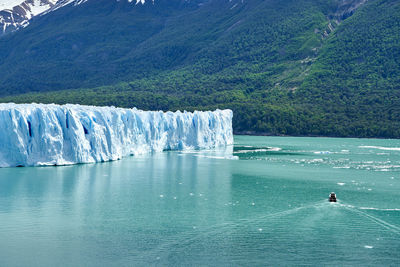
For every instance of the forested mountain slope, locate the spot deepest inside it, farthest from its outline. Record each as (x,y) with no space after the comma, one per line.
(305,67)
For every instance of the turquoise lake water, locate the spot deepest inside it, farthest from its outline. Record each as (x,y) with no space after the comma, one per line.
(261,202)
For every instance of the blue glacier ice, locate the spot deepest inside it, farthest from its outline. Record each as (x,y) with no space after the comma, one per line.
(39,134)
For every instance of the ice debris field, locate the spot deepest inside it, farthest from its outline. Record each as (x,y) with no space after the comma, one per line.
(39,134)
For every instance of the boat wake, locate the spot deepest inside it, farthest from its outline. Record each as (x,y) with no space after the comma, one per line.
(358,210)
(228,228)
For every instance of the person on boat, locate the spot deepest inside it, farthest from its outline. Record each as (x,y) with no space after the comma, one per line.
(332,197)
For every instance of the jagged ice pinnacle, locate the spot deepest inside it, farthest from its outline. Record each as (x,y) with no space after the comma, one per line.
(38,134)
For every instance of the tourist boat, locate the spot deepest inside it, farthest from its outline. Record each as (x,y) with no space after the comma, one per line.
(332,197)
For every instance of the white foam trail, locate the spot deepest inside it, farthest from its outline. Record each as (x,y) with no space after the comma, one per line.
(232,226)
(215,229)
(393,228)
(371,208)
(286,212)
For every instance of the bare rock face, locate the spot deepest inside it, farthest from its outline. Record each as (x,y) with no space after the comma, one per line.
(346,8)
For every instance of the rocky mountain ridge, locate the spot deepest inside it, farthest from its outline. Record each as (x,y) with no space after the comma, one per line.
(13,18)
(15,14)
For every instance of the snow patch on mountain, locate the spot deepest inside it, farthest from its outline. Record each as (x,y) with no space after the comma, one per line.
(15,14)
(9,4)
(63,3)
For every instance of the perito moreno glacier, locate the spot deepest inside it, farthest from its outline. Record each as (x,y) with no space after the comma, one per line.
(39,134)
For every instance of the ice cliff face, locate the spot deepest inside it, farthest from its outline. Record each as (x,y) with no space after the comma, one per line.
(38,134)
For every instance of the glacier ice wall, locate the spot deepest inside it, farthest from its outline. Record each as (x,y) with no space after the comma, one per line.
(39,134)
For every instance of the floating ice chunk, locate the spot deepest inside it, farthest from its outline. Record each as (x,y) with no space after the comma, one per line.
(322,152)
(275,149)
(38,134)
(382,148)
(316,160)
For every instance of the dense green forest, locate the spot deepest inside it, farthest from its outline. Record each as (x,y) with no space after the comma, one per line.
(305,67)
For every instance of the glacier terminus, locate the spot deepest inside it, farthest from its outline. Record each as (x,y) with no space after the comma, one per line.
(50,134)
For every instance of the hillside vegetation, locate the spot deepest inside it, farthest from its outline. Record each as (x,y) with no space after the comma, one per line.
(283,67)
